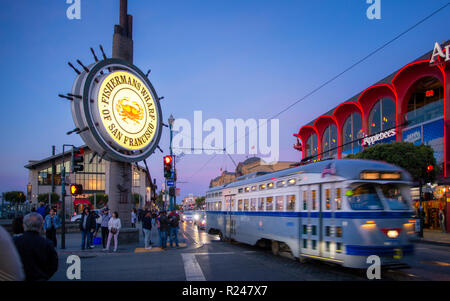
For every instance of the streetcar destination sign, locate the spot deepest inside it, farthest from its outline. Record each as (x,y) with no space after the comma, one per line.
(117,111)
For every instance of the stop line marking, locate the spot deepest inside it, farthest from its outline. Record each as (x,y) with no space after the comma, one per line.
(192,269)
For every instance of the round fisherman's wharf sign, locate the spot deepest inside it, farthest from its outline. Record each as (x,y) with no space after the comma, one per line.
(127,110)
(118,111)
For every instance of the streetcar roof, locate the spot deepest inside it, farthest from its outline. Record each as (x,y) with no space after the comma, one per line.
(346,168)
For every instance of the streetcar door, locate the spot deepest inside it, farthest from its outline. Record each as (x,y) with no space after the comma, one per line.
(327,240)
(228,222)
(310,220)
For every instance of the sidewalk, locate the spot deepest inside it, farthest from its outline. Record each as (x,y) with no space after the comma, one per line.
(435,237)
(73,244)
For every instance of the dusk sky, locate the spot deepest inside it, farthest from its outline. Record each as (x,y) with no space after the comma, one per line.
(228,58)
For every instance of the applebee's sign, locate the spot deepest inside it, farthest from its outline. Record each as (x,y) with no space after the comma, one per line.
(371,140)
(438,52)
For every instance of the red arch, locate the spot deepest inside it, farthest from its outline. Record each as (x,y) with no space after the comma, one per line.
(369,97)
(303,134)
(321,124)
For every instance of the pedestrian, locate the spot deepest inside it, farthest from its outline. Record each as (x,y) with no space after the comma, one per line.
(39,257)
(98,224)
(133,218)
(442,220)
(41,209)
(106,216)
(94,217)
(114,226)
(87,227)
(147,228)
(51,223)
(174,220)
(11,268)
(163,229)
(17,226)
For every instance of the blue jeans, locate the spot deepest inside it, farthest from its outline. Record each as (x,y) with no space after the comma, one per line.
(163,239)
(86,238)
(173,236)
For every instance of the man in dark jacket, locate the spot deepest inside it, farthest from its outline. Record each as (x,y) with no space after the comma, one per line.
(174,220)
(163,229)
(39,257)
(87,228)
(147,228)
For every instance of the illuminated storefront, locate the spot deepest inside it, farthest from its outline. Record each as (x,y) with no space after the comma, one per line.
(411,105)
(44,176)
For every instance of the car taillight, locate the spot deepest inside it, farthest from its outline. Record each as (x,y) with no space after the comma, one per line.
(392,233)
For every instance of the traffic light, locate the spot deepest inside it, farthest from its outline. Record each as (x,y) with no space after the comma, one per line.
(76,189)
(430,169)
(77,159)
(167,166)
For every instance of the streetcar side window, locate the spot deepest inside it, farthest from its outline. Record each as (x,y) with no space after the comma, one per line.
(314,200)
(290,202)
(253,204)
(239,205)
(261,204)
(279,203)
(305,200)
(327,199)
(246,205)
(269,203)
(219,207)
(338,199)
(232,206)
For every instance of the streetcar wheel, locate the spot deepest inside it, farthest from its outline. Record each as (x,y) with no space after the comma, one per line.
(275,247)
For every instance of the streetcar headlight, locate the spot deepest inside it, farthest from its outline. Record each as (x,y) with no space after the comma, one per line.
(203,222)
(196,216)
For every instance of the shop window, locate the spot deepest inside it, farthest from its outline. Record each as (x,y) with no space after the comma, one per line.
(352,132)
(329,142)
(382,116)
(426,101)
(311,145)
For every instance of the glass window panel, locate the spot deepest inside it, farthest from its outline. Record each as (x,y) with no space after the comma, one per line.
(279,203)
(269,203)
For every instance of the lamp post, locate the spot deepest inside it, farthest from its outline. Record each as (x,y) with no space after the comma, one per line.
(172,198)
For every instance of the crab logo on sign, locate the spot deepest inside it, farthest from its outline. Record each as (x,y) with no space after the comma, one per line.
(121,110)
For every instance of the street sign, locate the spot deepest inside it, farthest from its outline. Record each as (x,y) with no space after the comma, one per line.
(170,183)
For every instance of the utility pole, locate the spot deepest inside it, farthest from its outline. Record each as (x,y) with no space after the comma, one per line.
(172,198)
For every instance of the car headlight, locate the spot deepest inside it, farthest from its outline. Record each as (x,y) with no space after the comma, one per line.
(196,216)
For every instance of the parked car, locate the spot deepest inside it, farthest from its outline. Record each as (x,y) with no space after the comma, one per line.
(187,216)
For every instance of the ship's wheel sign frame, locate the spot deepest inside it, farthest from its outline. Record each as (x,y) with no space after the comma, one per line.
(118,114)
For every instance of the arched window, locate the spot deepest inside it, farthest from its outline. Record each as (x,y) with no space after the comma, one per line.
(311,145)
(329,142)
(352,132)
(426,102)
(382,116)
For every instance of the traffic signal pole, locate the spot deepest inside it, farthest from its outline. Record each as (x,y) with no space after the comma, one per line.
(63,197)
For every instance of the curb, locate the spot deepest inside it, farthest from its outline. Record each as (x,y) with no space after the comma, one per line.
(432,242)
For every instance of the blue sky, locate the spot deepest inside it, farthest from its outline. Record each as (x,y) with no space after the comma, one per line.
(228,58)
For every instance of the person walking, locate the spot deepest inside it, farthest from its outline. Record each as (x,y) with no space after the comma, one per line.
(174,220)
(163,229)
(106,216)
(114,226)
(147,228)
(442,220)
(38,256)
(51,223)
(41,209)
(87,227)
(133,218)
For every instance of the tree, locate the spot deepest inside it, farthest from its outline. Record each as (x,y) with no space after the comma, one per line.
(101,199)
(160,200)
(14,196)
(43,197)
(410,157)
(200,202)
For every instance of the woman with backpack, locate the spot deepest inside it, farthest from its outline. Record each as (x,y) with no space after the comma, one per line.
(114,226)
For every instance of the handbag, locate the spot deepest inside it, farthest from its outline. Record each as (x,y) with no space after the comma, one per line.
(113,230)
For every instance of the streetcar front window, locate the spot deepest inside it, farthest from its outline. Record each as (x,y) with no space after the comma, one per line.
(394,197)
(364,197)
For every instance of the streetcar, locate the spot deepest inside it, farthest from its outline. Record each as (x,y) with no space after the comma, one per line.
(339,211)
